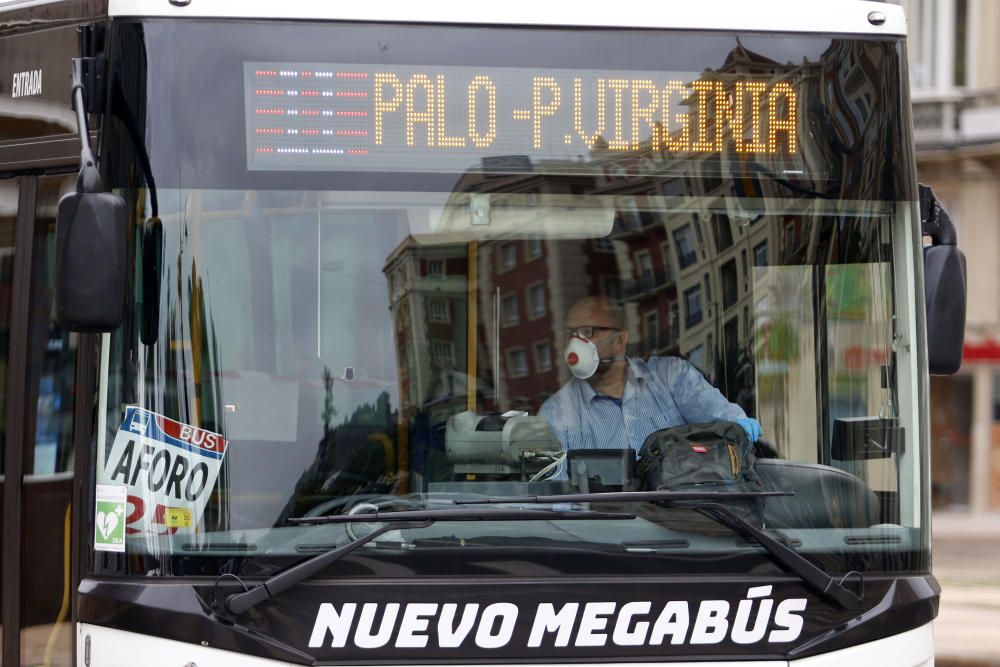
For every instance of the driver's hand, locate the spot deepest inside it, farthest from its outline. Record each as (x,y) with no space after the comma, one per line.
(752,427)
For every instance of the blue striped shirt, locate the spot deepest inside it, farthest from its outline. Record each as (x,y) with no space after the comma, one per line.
(659,393)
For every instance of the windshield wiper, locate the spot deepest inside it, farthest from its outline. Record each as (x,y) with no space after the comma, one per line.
(709,503)
(623,497)
(237,603)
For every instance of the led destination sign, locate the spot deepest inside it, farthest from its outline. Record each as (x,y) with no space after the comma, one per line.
(407,118)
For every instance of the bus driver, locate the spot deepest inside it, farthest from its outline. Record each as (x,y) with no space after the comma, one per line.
(614,401)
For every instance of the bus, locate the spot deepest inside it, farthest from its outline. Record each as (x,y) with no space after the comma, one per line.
(416,334)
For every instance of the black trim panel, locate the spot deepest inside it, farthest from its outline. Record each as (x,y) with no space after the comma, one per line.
(51,15)
(37,155)
(280,629)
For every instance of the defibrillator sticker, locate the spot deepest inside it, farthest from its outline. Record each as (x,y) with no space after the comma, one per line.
(168,468)
(109,518)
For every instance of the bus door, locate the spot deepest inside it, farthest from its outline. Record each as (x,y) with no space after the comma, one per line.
(37,391)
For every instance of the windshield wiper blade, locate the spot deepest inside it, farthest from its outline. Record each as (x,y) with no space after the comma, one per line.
(498,514)
(237,603)
(709,504)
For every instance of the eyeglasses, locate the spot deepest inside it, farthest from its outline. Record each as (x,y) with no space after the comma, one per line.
(587,331)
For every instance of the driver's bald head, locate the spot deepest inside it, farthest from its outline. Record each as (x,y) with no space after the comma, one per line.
(596,311)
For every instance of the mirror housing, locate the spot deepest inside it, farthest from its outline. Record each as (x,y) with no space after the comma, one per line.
(944,287)
(91,261)
(944,294)
(91,237)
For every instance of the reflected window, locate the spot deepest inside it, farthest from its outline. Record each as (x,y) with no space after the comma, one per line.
(438,310)
(644,264)
(604,245)
(730,284)
(684,242)
(536,300)
(443,353)
(533,248)
(508,310)
(723,232)
(508,256)
(760,257)
(517,362)
(630,213)
(543,356)
(692,307)
(651,330)
(435,268)
(667,265)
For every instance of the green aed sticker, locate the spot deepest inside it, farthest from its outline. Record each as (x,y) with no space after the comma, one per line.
(109,518)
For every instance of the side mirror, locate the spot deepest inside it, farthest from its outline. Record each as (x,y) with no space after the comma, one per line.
(91,240)
(91,261)
(944,287)
(944,293)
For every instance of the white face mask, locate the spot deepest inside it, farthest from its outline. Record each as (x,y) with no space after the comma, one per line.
(582,357)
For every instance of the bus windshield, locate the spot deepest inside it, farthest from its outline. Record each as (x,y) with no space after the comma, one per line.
(394,267)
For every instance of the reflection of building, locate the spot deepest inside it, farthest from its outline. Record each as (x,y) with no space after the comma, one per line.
(692,285)
(697,253)
(427,297)
(953,53)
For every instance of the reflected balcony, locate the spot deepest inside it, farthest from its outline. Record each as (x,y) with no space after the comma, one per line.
(650,283)
(665,342)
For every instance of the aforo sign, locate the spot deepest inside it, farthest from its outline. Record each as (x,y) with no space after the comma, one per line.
(168,467)
(757,618)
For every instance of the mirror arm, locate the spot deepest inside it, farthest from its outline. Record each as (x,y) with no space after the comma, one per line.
(934,219)
(89,180)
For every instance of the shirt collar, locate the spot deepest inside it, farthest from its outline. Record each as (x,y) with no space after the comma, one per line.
(637,368)
(636,371)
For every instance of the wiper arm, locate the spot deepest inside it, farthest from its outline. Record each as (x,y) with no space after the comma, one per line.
(501,514)
(624,497)
(785,555)
(709,504)
(237,603)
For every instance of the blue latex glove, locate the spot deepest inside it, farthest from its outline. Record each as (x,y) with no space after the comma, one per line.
(752,427)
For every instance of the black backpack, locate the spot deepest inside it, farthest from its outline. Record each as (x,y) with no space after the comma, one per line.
(713,456)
